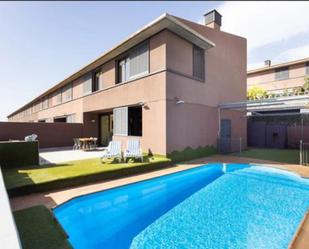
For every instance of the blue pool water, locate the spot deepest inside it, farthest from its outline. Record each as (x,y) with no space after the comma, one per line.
(237,206)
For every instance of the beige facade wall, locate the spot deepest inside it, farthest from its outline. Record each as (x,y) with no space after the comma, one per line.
(167,126)
(154,129)
(195,123)
(266,79)
(151,91)
(68,108)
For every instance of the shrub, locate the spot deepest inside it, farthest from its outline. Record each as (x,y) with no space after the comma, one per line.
(189,153)
(256,93)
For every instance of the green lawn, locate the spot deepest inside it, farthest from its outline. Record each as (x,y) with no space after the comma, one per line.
(38,229)
(277,155)
(40,178)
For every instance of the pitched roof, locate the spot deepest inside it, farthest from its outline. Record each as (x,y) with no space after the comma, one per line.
(165,21)
(289,63)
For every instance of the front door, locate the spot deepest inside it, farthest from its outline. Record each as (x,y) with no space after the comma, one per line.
(225,138)
(106,129)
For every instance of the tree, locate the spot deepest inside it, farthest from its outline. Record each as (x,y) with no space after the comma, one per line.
(256,92)
(306,84)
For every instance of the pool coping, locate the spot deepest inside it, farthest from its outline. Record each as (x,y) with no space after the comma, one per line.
(299,233)
(127,184)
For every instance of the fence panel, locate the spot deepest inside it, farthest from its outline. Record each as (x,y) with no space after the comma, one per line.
(49,134)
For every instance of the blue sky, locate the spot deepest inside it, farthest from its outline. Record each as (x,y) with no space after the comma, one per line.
(44,42)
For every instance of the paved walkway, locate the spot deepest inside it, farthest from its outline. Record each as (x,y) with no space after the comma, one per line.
(60,155)
(54,198)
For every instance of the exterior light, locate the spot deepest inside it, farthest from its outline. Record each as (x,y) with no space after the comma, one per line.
(179,101)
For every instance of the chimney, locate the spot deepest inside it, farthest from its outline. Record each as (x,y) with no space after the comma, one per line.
(212,19)
(267,63)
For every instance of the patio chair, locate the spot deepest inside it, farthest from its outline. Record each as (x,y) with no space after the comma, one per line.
(77,144)
(113,151)
(133,150)
(31,138)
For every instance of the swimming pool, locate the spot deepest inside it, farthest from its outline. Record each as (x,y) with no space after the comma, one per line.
(212,206)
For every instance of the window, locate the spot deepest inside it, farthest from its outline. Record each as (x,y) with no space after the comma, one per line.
(128,121)
(307,68)
(40,105)
(42,121)
(282,73)
(58,97)
(122,65)
(67,93)
(135,64)
(198,63)
(97,83)
(45,103)
(135,121)
(87,86)
(60,120)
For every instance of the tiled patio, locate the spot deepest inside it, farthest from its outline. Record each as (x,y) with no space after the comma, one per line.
(54,198)
(65,154)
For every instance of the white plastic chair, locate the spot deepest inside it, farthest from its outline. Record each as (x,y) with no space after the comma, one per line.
(31,138)
(133,150)
(113,151)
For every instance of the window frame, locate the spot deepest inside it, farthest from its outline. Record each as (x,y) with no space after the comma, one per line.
(126,58)
(94,87)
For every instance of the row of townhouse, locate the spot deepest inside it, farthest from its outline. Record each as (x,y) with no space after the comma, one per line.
(162,85)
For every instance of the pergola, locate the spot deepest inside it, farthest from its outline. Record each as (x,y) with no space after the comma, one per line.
(295,105)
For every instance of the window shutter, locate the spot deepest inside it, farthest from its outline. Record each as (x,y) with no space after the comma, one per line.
(138,60)
(87,85)
(282,73)
(198,63)
(121,121)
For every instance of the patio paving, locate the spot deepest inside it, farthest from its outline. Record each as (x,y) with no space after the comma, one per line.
(66,154)
(54,198)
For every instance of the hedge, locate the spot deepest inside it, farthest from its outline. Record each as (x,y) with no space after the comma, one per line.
(19,153)
(189,153)
(38,229)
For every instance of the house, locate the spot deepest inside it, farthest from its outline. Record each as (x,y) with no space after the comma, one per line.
(283,120)
(279,78)
(162,85)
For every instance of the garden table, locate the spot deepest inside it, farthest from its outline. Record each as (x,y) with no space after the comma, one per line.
(87,143)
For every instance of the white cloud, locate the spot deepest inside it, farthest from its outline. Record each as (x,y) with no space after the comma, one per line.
(264,23)
(293,54)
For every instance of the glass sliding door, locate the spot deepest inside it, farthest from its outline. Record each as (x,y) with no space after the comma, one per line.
(106,129)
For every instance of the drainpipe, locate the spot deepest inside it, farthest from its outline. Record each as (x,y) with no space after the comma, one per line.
(302,127)
(219,128)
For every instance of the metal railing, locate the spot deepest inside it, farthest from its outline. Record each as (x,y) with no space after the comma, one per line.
(303,153)
(230,145)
